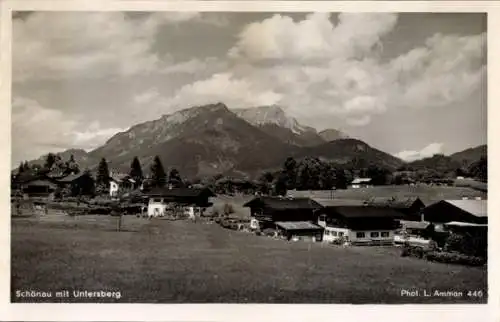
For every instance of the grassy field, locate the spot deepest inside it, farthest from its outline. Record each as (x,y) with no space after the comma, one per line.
(161,261)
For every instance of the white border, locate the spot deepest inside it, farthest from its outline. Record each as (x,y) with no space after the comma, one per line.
(226,312)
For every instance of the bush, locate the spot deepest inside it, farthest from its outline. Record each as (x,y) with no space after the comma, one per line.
(413,251)
(455,258)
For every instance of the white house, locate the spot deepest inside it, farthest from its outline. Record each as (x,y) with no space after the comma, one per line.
(361,183)
(190,201)
(120,183)
(360,225)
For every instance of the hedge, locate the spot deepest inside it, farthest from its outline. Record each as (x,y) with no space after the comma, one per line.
(455,258)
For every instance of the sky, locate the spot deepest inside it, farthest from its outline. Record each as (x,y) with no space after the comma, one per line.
(410,84)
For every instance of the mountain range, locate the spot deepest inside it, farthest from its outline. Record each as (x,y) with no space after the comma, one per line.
(212,139)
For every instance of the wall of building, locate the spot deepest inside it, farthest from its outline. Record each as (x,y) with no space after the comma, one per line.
(368,238)
(113,189)
(333,233)
(156,208)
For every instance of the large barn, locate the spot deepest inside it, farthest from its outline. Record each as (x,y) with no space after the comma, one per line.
(360,225)
(461,211)
(268,210)
(191,201)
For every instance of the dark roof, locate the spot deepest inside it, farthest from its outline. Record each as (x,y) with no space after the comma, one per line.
(71,177)
(400,203)
(339,202)
(283,203)
(366,212)
(179,192)
(27,176)
(478,208)
(41,182)
(297,225)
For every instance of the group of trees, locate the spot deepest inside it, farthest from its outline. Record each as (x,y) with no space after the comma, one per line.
(52,163)
(315,174)
(158,176)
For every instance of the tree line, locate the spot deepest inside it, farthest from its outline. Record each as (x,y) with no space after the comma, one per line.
(158,176)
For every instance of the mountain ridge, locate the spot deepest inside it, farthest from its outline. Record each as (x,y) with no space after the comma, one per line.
(213,139)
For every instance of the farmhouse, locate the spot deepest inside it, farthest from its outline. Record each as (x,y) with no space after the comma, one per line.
(465,211)
(360,225)
(300,230)
(361,183)
(190,201)
(36,186)
(269,210)
(78,184)
(410,207)
(119,184)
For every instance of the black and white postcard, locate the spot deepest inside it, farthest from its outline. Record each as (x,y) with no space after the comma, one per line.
(211,156)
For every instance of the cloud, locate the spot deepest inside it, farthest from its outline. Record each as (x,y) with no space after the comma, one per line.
(236,93)
(323,69)
(52,45)
(426,152)
(315,37)
(37,130)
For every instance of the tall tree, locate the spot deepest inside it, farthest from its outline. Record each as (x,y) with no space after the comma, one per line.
(136,170)
(280,184)
(158,176)
(102,179)
(70,166)
(290,171)
(174,178)
(264,182)
(50,160)
(479,169)
(340,179)
(21,168)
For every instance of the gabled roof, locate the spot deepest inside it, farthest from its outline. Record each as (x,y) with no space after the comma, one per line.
(463,224)
(179,192)
(41,182)
(477,208)
(366,212)
(399,203)
(71,177)
(283,203)
(338,202)
(297,225)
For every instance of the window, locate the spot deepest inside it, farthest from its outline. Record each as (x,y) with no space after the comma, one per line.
(334,233)
(360,235)
(384,234)
(341,233)
(374,234)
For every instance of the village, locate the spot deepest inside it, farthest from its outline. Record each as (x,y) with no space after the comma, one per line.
(450,226)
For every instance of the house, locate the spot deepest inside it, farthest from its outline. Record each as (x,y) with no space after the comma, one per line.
(119,184)
(361,183)
(78,184)
(36,187)
(409,207)
(269,210)
(359,225)
(300,230)
(466,211)
(190,201)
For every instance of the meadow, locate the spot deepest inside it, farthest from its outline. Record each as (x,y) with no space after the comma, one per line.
(161,261)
